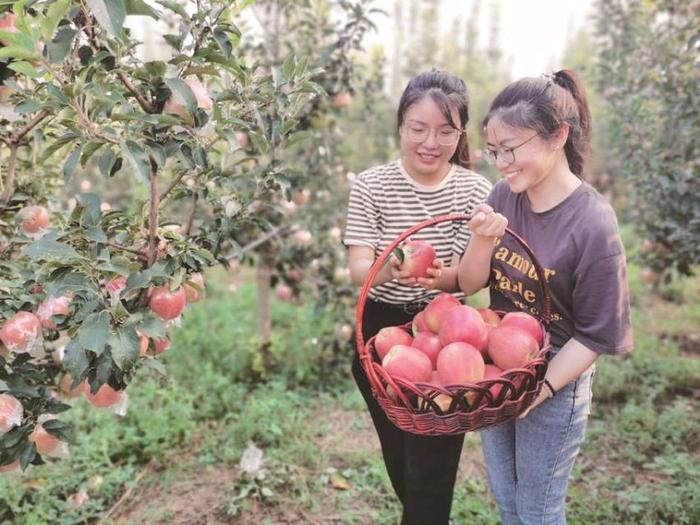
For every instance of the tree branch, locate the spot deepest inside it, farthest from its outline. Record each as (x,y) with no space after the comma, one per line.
(172,185)
(145,104)
(153,218)
(190,220)
(15,139)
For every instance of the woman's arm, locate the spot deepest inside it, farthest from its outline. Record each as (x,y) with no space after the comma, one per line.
(572,360)
(474,269)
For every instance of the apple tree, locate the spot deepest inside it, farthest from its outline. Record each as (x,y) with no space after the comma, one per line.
(89,290)
(649,79)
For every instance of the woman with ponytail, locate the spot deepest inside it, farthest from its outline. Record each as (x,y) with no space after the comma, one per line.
(538,137)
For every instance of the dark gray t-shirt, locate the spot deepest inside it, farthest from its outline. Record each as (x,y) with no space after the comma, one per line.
(578,244)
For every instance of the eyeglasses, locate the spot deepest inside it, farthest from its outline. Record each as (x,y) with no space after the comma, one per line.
(507,155)
(445,136)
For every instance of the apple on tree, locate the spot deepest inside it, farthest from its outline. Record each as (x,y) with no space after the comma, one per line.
(168,304)
(35,219)
(20,332)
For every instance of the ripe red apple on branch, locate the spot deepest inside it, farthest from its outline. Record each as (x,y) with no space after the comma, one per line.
(20,332)
(34,219)
(194,287)
(167,303)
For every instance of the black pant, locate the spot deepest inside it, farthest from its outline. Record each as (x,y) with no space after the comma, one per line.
(422,469)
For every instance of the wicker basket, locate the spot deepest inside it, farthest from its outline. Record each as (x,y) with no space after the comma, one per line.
(414,407)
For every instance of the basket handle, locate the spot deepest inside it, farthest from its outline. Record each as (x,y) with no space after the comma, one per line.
(379,262)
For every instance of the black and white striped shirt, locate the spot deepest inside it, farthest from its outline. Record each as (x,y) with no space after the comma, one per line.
(385,201)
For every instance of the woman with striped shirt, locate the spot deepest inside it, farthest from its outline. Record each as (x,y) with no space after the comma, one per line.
(431,178)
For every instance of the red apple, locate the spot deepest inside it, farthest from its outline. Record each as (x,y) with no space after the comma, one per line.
(167,303)
(7,23)
(464,324)
(104,397)
(194,288)
(442,400)
(493,372)
(408,363)
(174,105)
(436,310)
(44,441)
(302,238)
(511,347)
(388,337)
(20,332)
(526,322)
(34,219)
(459,363)
(301,197)
(491,318)
(64,387)
(283,292)
(342,100)
(53,306)
(418,256)
(418,324)
(429,344)
(11,413)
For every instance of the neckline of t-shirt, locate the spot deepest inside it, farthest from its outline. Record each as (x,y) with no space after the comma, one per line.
(550,211)
(424,187)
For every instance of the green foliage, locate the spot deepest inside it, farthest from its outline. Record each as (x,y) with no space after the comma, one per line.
(649,76)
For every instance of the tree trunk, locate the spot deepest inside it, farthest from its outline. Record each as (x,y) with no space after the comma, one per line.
(264,275)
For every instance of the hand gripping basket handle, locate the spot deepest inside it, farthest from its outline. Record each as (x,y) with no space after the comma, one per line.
(377,266)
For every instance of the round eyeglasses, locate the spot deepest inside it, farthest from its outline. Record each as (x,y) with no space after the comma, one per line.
(506,155)
(445,136)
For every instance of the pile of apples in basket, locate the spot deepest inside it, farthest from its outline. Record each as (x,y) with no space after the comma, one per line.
(455,344)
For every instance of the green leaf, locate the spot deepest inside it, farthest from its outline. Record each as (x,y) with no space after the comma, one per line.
(398,252)
(18,53)
(49,248)
(71,163)
(89,149)
(94,331)
(137,159)
(125,347)
(110,14)
(91,214)
(150,325)
(59,47)
(183,93)
(139,7)
(174,40)
(24,68)
(175,7)
(106,161)
(54,13)
(155,365)
(75,360)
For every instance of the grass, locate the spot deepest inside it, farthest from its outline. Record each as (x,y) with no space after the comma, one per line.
(176,454)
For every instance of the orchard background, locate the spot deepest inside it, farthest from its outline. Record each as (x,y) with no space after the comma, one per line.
(176,311)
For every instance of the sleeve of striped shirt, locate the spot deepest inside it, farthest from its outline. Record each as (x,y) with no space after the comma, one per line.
(361,226)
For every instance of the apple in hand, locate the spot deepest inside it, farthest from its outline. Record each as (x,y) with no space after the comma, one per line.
(418,256)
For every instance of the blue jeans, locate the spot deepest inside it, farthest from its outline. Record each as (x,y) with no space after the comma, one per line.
(529,460)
